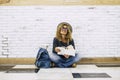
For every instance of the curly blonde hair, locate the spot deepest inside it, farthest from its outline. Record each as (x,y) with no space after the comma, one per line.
(69,32)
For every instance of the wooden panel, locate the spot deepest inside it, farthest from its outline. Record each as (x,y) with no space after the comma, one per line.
(61,2)
(111,60)
(4,1)
(17,60)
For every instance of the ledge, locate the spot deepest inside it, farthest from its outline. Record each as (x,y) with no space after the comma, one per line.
(96,60)
(58,2)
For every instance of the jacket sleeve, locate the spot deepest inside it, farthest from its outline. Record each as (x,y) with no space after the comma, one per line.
(55,44)
(72,43)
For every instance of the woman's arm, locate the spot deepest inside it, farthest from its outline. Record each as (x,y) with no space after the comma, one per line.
(72,43)
(55,46)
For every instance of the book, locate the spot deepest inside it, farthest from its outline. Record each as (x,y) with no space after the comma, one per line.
(67,50)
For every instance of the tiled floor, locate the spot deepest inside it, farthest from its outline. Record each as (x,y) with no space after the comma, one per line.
(60,73)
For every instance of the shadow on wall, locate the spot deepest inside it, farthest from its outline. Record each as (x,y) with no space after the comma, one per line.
(4,1)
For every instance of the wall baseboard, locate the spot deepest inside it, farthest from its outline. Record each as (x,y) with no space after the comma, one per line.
(96,60)
(59,2)
(100,60)
(4,1)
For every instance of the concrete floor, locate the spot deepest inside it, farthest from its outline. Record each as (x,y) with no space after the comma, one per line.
(60,73)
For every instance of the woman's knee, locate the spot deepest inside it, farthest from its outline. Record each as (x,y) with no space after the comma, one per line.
(77,57)
(54,57)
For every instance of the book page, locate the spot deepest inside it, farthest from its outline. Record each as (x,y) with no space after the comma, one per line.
(68,51)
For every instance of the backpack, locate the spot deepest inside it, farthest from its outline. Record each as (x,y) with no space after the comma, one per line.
(42,59)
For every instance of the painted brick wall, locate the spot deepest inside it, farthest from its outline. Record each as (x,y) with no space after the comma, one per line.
(23,29)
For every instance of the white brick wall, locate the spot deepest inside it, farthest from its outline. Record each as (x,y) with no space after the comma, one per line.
(96,29)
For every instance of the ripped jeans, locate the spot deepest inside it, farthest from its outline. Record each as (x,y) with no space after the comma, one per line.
(64,62)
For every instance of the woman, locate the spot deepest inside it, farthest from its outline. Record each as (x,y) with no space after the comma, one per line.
(63,39)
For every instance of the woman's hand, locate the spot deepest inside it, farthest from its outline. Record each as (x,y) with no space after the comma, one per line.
(57,49)
(66,56)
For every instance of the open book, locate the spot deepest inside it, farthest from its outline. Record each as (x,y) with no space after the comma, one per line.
(69,50)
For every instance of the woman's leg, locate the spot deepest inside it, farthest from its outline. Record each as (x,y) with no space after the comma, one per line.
(72,60)
(57,60)
(77,57)
(64,62)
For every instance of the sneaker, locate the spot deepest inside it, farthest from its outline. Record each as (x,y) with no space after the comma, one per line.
(52,64)
(74,65)
(36,70)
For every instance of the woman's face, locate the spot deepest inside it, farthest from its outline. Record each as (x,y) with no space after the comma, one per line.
(64,30)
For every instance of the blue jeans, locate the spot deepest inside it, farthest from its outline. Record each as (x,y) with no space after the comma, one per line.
(64,62)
